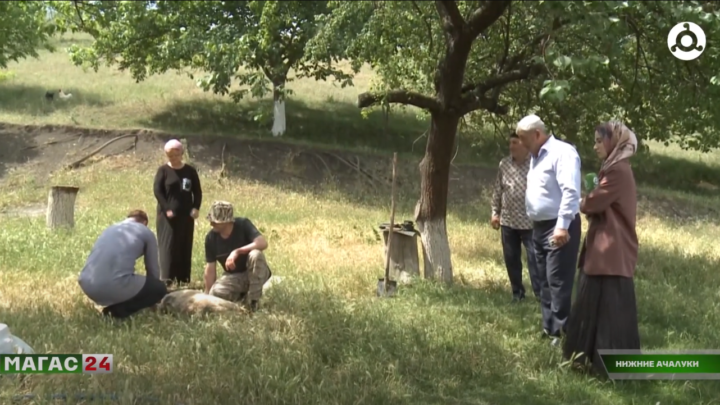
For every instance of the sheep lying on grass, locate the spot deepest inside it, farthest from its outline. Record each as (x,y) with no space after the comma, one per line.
(191,302)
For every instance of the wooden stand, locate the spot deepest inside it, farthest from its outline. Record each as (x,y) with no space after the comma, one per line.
(404,258)
(61,207)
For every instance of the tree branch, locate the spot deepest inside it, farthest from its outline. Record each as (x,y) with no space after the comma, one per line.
(431,45)
(509,77)
(484,17)
(513,61)
(79,14)
(399,97)
(477,99)
(450,14)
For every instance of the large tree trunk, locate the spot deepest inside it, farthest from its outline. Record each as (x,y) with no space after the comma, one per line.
(431,209)
(279,124)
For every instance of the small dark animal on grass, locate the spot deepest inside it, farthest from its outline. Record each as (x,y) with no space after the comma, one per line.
(49,95)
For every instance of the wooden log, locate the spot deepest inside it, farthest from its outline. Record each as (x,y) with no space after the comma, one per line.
(404,258)
(61,207)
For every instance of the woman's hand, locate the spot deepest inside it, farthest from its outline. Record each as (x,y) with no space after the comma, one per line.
(194,213)
(169,214)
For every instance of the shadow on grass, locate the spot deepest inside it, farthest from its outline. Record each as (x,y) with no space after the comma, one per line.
(30,100)
(429,345)
(307,155)
(676,174)
(668,173)
(458,351)
(677,299)
(14,149)
(418,360)
(333,123)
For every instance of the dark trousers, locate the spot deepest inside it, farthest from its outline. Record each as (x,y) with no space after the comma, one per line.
(175,244)
(153,292)
(556,269)
(512,242)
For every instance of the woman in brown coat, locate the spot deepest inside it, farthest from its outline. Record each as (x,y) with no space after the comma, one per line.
(604,314)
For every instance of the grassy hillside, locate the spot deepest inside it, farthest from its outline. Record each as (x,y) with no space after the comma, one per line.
(320,112)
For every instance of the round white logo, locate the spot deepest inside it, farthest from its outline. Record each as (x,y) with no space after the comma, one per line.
(686,41)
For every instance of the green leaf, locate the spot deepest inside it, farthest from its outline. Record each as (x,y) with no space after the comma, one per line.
(563,62)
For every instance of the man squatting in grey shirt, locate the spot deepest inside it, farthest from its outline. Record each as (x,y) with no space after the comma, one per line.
(109,277)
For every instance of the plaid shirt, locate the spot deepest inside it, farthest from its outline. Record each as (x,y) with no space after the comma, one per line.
(508,200)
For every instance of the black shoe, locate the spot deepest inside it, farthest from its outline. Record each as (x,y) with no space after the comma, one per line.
(518,298)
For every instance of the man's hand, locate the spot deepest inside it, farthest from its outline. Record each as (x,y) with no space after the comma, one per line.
(560,237)
(230,262)
(194,213)
(495,222)
(169,214)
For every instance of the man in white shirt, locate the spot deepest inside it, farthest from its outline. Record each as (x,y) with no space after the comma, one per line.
(552,200)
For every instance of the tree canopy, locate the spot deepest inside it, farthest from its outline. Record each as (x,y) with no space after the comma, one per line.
(574,63)
(249,44)
(24,28)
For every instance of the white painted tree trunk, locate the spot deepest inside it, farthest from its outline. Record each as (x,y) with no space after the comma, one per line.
(436,249)
(279,125)
(61,207)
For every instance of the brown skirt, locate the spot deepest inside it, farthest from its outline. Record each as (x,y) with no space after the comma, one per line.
(603,316)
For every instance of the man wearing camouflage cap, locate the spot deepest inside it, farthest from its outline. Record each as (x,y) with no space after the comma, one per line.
(237,244)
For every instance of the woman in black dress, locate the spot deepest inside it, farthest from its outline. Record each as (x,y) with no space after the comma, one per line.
(179,196)
(604,315)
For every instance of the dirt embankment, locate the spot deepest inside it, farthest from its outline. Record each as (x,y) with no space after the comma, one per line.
(44,149)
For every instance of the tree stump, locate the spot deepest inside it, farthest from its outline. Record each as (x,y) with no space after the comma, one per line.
(404,258)
(61,207)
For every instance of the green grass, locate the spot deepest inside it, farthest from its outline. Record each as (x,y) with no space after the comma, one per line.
(322,336)
(321,112)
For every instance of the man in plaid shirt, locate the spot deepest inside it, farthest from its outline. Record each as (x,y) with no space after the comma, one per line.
(510,216)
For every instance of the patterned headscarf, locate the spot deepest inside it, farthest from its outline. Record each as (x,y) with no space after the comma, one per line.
(623,142)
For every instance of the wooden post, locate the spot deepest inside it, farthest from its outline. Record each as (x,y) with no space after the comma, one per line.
(61,207)
(392,220)
(403,254)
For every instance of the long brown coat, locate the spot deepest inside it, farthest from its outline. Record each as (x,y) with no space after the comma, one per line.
(611,243)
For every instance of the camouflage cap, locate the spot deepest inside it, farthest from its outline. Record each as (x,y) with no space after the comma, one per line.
(221,212)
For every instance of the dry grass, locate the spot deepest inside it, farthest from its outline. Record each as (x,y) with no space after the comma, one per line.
(322,337)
